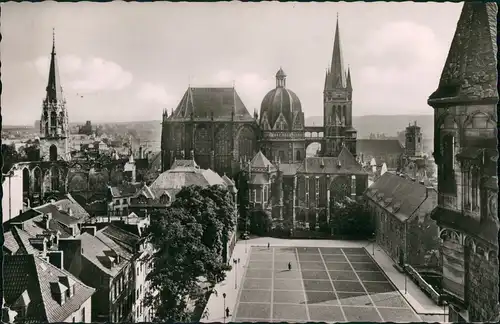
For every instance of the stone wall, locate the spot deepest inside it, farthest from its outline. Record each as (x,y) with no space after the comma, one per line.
(481,286)
(423,235)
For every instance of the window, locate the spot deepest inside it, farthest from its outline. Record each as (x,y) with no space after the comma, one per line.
(73,319)
(83,315)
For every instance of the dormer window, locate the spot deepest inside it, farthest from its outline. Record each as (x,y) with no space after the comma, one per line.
(69,283)
(59,292)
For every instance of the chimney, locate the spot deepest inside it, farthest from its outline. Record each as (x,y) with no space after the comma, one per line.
(56,258)
(46,220)
(92,230)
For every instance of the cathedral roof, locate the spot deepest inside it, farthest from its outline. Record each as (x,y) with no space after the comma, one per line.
(280,101)
(203,102)
(54,88)
(470,71)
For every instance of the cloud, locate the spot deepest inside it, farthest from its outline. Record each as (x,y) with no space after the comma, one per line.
(399,56)
(86,76)
(250,86)
(156,93)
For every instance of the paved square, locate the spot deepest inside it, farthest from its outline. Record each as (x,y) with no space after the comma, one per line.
(324,285)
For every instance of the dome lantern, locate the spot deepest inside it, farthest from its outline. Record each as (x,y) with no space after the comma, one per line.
(280,78)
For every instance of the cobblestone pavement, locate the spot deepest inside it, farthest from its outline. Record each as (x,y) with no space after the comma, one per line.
(313,299)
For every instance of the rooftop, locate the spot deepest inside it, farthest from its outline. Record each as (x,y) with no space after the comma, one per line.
(31,277)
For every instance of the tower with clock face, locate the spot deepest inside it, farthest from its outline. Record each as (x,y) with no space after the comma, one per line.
(337,105)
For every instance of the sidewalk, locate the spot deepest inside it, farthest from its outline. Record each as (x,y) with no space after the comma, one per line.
(419,301)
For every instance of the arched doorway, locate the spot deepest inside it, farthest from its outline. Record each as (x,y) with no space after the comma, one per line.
(53,153)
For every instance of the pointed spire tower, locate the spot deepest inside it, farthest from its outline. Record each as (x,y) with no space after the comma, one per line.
(337,79)
(337,109)
(54,120)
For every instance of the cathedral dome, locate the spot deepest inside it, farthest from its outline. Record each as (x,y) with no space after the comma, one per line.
(281,102)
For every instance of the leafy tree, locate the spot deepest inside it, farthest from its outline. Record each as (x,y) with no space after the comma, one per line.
(351,217)
(189,239)
(9,157)
(260,222)
(243,201)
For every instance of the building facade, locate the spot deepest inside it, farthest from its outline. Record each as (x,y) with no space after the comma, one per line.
(402,209)
(465,150)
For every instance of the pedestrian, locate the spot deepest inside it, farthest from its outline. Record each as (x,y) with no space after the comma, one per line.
(238,260)
(227,311)
(268,245)
(215,293)
(289,266)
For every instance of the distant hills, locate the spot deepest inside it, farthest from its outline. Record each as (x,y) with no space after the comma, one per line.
(388,124)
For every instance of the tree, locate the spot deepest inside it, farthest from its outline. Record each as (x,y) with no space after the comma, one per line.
(9,157)
(188,239)
(352,218)
(260,222)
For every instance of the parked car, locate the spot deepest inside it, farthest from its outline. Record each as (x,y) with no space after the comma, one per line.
(244,236)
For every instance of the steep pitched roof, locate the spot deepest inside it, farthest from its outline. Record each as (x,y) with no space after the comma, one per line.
(374,147)
(34,276)
(54,88)
(467,75)
(202,102)
(336,77)
(260,161)
(401,195)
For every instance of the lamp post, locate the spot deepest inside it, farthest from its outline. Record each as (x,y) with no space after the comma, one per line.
(235,262)
(224,309)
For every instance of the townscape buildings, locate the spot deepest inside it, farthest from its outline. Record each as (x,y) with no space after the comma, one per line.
(74,217)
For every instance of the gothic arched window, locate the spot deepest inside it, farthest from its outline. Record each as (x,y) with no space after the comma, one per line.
(54,179)
(245,143)
(38,179)
(53,153)
(26,180)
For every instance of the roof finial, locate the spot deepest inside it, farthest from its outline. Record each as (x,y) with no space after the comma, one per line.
(234,84)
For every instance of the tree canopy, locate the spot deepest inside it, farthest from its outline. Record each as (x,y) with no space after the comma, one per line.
(189,239)
(351,217)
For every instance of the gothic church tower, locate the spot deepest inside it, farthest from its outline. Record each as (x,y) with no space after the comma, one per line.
(337,105)
(54,128)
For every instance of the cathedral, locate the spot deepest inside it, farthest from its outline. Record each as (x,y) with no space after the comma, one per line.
(213,127)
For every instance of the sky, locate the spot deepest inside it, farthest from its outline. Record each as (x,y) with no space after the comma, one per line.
(128,61)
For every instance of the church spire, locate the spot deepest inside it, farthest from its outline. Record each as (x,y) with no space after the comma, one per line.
(337,71)
(54,89)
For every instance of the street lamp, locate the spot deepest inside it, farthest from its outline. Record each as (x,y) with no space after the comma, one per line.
(224,309)
(235,274)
